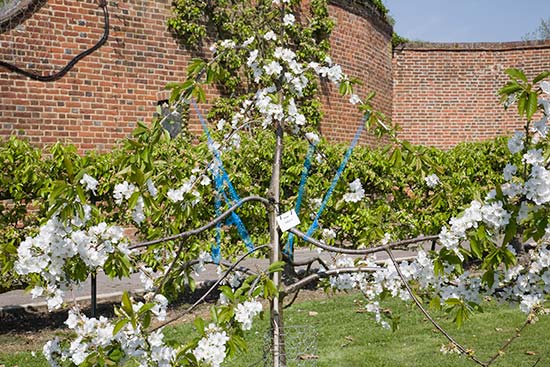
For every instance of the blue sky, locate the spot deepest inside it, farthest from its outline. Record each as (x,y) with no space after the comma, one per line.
(467,20)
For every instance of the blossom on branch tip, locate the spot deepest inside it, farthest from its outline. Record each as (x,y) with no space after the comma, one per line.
(509,171)
(273,68)
(313,138)
(245,312)
(122,191)
(354,99)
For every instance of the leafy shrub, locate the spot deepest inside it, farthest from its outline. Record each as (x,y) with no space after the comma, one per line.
(397,199)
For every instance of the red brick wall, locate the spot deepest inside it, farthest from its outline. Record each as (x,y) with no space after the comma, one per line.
(447,93)
(99,101)
(361,43)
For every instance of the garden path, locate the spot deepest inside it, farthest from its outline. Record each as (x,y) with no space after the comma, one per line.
(111,289)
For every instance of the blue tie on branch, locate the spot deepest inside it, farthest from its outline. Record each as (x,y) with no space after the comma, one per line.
(221,179)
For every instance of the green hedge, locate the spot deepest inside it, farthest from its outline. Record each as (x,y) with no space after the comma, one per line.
(397,199)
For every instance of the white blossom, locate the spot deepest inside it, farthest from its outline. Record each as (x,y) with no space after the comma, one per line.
(432,180)
(228,44)
(515,143)
(312,138)
(252,58)
(289,19)
(270,36)
(537,188)
(273,68)
(545,86)
(248,41)
(533,156)
(356,192)
(541,126)
(245,312)
(123,191)
(151,188)
(495,215)
(211,349)
(137,214)
(89,183)
(354,99)
(509,171)
(328,234)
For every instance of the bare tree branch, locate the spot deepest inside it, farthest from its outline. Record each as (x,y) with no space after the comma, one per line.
(205,227)
(242,269)
(367,251)
(462,349)
(309,262)
(516,335)
(58,75)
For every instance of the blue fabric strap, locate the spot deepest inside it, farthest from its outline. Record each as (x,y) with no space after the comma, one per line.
(347,156)
(221,178)
(289,247)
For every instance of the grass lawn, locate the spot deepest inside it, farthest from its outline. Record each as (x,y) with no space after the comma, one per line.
(346,338)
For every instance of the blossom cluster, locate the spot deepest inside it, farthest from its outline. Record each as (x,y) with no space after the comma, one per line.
(212,348)
(277,69)
(97,337)
(356,194)
(57,244)
(188,187)
(432,180)
(245,313)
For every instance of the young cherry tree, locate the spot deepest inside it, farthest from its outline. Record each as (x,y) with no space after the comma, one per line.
(275,70)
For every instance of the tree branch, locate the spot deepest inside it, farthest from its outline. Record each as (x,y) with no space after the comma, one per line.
(242,269)
(325,274)
(205,227)
(72,63)
(367,251)
(510,340)
(434,323)
(210,290)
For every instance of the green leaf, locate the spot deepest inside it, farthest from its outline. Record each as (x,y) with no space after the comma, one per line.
(127,304)
(475,247)
(511,230)
(510,88)
(276,267)
(522,101)
(541,76)
(516,74)
(68,167)
(146,307)
(435,303)
(146,320)
(116,355)
(453,301)
(532,104)
(488,278)
(119,325)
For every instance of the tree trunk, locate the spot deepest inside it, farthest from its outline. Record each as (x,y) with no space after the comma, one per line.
(276,305)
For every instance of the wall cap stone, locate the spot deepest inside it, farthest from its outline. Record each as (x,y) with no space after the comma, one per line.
(473,46)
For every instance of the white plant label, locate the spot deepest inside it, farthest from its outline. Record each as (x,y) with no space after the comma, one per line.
(288,220)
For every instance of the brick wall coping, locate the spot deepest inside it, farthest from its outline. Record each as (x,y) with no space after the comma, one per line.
(365,9)
(474,46)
